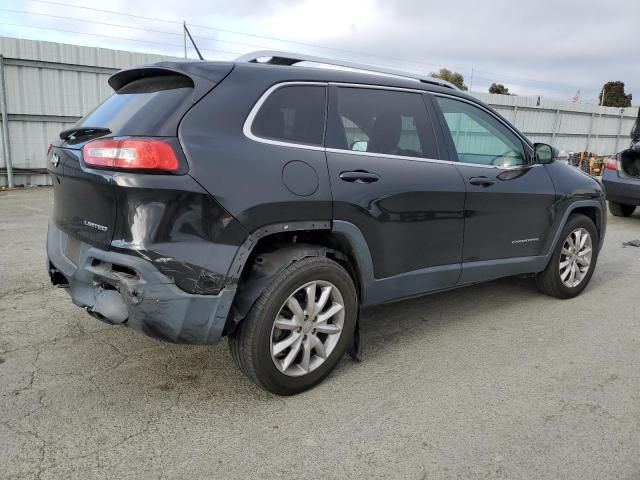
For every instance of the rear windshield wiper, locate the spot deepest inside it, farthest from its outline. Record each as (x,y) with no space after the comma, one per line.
(73,133)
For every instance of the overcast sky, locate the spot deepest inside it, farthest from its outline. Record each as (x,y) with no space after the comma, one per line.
(548,48)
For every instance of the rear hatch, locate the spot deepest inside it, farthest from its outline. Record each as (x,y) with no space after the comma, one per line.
(148,104)
(630,163)
(627,162)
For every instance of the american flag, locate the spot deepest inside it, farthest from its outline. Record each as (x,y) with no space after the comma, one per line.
(576,97)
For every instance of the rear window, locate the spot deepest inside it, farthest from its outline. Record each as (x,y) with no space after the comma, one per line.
(150,106)
(293,114)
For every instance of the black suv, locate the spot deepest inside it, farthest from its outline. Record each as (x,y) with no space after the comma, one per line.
(269,201)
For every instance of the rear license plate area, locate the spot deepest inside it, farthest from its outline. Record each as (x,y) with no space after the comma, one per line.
(72,250)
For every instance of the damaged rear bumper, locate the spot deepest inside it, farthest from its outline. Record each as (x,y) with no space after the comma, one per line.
(119,288)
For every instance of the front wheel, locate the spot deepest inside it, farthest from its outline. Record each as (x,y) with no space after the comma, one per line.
(621,209)
(299,328)
(573,261)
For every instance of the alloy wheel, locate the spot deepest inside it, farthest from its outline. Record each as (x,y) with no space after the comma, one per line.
(575,257)
(307,328)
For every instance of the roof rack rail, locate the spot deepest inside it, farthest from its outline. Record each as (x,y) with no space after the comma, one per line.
(286,58)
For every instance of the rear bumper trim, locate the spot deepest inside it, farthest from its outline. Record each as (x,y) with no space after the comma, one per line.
(154,304)
(622,190)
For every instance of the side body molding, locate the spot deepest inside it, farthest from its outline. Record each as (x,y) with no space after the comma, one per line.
(444,277)
(474,272)
(397,287)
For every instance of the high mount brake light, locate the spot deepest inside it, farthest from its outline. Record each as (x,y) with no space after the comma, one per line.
(612,163)
(148,154)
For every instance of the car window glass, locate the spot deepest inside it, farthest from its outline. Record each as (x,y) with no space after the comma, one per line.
(479,137)
(409,139)
(382,121)
(293,114)
(144,106)
(357,139)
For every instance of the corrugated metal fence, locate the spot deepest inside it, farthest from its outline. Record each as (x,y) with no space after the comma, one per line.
(567,126)
(49,86)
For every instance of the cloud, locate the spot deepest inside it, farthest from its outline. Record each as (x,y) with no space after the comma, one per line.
(545,47)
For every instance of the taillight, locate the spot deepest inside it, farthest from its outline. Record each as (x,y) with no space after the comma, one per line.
(612,163)
(142,154)
(49,148)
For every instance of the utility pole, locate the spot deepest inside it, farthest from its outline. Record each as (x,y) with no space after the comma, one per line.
(186,30)
(471,82)
(619,129)
(184,35)
(5,125)
(604,92)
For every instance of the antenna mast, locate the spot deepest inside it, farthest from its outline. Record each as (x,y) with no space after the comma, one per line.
(184,24)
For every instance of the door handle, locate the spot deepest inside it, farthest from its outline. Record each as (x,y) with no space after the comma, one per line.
(359,176)
(481,181)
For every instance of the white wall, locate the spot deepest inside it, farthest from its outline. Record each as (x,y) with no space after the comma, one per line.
(50,86)
(567,126)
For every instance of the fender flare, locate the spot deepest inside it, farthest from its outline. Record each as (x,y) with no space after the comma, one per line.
(267,266)
(270,265)
(600,225)
(244,251)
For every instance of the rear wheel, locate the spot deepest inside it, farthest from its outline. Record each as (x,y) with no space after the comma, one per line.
(573,261)
(299,328)
(621,209)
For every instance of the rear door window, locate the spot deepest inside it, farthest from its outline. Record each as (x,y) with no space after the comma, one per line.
(382,121)
(293,114)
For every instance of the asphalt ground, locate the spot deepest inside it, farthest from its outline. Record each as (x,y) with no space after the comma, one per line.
(490,381)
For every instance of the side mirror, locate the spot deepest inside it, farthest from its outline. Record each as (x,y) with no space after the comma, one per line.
(543,153)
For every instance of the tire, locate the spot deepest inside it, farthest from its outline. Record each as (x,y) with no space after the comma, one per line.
(621,209)
(550,281)
(252,342)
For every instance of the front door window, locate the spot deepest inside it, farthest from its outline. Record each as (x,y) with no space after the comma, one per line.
(478,137)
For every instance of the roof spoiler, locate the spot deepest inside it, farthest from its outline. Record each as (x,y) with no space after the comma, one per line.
(203,76)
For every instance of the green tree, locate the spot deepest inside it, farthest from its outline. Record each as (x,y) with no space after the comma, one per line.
(612,95)
(453,77)
(499,88)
